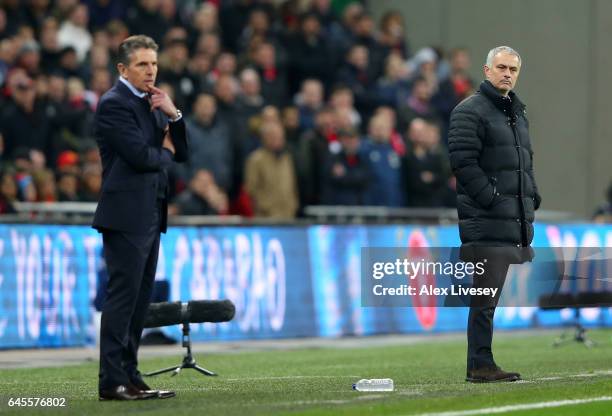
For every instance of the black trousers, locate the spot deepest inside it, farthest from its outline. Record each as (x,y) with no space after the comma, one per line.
(131,261)
(480,318)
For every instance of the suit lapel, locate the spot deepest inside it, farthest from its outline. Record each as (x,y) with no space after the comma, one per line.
(151,122)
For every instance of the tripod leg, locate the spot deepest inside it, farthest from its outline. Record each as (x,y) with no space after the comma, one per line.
(176,371)
(560,340)
(165,370)
(204,371)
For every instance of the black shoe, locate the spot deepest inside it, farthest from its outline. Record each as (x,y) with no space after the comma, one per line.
(160,394)
(125,392)
(491,375)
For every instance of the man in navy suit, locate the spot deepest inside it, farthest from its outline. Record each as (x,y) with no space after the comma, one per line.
(140,134)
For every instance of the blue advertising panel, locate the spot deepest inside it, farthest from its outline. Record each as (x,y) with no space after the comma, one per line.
(264,271)
(47,281)
(285,281)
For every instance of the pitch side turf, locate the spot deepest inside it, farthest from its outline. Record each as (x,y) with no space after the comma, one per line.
(569,380)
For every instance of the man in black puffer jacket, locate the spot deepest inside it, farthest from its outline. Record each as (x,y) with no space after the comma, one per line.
(491,157)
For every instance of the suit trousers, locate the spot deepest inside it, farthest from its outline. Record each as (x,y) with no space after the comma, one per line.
(480,318)
(131,260)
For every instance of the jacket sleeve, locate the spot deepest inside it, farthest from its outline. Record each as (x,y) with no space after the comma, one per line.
(465,146)
(537,199)
(178,134)
(116,126)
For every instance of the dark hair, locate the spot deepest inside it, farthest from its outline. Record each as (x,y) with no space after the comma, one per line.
(129,45)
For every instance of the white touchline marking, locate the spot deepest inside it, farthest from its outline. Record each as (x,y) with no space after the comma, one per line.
(552,378)
(580,375)
(285,377)
(515,407)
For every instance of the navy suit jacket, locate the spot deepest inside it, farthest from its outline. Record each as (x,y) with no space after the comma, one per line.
(134,163)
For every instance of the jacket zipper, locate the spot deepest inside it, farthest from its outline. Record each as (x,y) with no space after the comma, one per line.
(517,145)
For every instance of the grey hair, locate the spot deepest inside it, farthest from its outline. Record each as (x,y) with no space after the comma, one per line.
(129,45)
(501,49)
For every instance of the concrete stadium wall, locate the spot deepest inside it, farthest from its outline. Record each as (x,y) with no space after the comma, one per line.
(565,79)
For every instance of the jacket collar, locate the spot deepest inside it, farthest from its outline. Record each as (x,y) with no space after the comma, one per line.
(132,88)
(125,92)
(512,102)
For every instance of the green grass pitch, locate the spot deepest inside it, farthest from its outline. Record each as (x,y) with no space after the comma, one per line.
(428,376)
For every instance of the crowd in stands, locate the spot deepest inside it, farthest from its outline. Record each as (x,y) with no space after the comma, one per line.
(287,103)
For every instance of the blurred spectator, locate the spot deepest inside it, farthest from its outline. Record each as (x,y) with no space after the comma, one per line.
(210,143)
(393,87)
(145,18)
(603,214)
(358,76)
(26,190)
(270,179)
(326,14)
(100,81)
(385,187)
(454,88)
(342,99)
(99,58)
(314,147)
(3,24)
(250,100)
(418,104)
(269,114)
(203,197)
(347,173)
(233,17)
(309,101)
(169,12)
(38,161)
(28,57)
(89,153)
(205,19)
(91,183)
(258,26)
(50,45)
(73,32)
(226,89)
(8,192)
(14,17)
(395,138)
(426,166)
(35,12)
(68,187)
(70,114)
(69,64)
(68,162)
(44,181)
(117,31)
(8,53)
(392,34)
(23,121)
(309,54)
(176,73)
(210,45)
(101,12)
(291,124)
(199,68)
(342,35)
(365,36)
(462,83)
(274,88)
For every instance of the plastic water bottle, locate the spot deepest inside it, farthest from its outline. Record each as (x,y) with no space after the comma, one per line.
(375,384)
